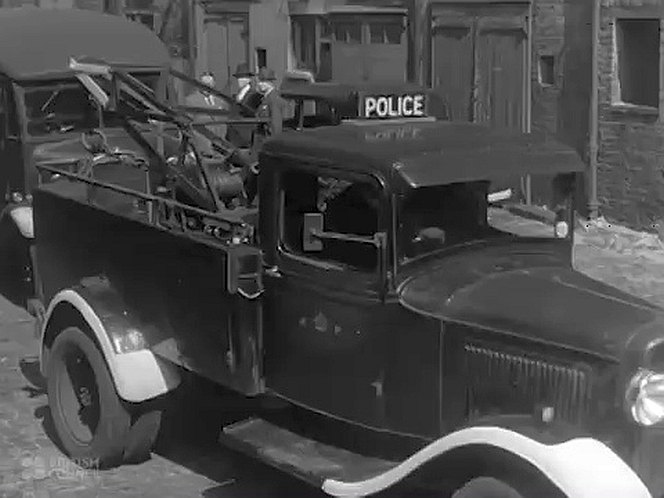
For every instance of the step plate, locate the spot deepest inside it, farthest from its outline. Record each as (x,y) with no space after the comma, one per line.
(304,458)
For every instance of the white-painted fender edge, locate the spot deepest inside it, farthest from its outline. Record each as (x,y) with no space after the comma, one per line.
(138,375)
(22,217)
(581,468)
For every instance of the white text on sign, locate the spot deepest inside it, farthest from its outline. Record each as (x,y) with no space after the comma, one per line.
(405,106)
(397,134)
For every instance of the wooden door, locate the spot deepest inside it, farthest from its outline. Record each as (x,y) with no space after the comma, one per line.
(325,339)
(500,77)
(238,42)
(214,35)
(226,45)
(479,63)
(453,69)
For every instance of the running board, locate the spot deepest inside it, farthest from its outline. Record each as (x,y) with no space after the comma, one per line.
(304,458)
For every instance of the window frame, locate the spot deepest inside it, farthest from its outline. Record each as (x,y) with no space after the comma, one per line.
(304,264)
(345,22)
(131,15)
(384,21)
(543,62)
(617,104)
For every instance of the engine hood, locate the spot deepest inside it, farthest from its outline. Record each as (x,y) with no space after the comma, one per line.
(520,296)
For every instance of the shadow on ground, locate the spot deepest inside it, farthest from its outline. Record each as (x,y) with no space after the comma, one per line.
(189,438)
(30,369)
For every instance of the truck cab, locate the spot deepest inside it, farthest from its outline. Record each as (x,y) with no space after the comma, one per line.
(43,104)
(415,329)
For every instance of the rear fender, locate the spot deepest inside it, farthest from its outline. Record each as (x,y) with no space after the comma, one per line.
(138,374)
(565,466)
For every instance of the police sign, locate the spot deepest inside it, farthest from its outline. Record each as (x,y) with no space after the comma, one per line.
(411,105)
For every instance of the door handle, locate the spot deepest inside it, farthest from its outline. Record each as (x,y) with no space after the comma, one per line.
(273,271)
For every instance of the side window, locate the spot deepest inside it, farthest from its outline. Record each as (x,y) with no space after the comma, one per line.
(348,208)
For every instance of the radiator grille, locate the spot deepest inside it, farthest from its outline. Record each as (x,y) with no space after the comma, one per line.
(513,382)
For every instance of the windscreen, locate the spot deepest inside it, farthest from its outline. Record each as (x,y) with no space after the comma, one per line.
(63,106)
(431,219)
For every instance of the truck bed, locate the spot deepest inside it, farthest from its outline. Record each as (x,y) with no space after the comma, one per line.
(172,282)
(128,205)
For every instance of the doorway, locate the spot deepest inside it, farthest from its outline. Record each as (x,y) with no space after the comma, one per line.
(480,65)
(226,42)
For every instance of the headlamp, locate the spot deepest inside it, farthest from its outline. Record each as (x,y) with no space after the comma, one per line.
(644,398)
(561,229)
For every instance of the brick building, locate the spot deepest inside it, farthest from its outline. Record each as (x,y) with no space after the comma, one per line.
(625,116)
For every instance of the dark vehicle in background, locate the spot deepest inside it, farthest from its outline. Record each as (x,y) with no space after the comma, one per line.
(311,104)
(42,103)
(383,319)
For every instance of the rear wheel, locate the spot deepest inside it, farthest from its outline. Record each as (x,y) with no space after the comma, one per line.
(95,427)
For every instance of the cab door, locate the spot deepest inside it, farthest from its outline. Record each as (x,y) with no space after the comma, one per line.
(325,340)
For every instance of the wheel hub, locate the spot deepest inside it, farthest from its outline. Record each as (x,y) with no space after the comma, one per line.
(79,397)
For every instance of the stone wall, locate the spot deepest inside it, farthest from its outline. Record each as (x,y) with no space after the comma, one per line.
(548,36)
(631,140)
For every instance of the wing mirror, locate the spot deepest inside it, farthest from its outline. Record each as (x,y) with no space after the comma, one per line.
(313,234)
(312,226)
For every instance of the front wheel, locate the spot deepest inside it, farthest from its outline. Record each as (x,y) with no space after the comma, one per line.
(95,427)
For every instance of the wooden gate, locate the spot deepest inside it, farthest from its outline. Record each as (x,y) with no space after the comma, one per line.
(479,62)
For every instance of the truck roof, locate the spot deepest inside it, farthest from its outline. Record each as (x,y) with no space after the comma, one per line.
(415,153)
(38,43)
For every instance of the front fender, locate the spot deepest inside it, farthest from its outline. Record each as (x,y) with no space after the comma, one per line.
(137,372)
(566,465)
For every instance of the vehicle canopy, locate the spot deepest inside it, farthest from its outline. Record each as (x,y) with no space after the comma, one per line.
(39,43)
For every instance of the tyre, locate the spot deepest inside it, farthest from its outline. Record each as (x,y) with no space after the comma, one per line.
(94,426)
(486,487)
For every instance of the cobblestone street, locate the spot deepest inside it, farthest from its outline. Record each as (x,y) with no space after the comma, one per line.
(31,466)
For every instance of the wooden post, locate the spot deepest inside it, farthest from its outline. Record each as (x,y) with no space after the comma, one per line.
(193,36)
(593,147)
(528,92)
